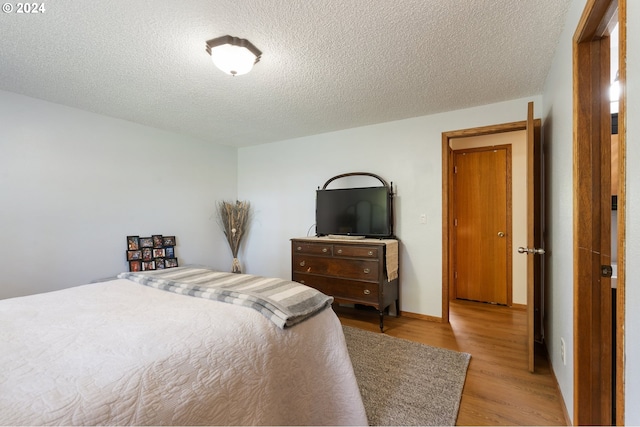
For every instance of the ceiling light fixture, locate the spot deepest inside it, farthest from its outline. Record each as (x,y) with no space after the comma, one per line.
(233,55)
(614,89)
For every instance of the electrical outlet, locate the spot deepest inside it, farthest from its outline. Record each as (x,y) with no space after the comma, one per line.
(423,218)
(562,352)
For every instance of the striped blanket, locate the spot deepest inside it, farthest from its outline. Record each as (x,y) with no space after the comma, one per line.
(284,302)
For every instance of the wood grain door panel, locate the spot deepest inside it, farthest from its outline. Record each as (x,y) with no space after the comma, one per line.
(481,224)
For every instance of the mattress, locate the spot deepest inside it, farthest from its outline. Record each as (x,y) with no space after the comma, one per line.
(121,353)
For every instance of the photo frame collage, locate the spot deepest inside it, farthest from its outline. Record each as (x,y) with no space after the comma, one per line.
(151,253)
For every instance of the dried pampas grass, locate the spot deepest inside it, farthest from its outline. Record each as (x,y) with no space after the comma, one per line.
(234,220)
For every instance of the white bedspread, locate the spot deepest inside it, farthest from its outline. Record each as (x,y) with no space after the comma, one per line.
(121,353)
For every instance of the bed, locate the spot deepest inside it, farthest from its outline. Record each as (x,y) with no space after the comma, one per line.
(120,352)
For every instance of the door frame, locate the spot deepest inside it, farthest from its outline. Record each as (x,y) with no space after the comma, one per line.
(591,118)
(447,198)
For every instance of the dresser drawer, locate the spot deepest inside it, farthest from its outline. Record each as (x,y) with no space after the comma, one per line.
(361,292)
(312,248)
(355,251)
(348,268)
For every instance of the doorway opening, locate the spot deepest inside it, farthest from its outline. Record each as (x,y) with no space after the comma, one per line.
(598,311)
(534,242)
(452,141)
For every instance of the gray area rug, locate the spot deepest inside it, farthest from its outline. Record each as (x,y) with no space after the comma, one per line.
(406,383)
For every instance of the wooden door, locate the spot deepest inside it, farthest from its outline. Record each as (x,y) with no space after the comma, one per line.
(481,181)
(535,244)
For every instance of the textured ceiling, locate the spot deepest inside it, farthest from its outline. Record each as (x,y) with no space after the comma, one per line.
(326,64)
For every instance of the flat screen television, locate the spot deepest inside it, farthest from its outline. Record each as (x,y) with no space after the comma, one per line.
(354,212)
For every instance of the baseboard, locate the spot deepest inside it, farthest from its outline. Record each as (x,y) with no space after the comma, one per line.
(421,316)
(519,306)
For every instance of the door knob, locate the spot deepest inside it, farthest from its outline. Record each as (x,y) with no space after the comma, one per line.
(500,234)
(535,251)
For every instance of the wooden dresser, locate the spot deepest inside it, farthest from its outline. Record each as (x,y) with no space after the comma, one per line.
(351,271)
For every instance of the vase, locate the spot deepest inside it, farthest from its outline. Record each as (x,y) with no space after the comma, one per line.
(235,266)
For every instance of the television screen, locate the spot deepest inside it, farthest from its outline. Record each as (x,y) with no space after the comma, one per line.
(354,212)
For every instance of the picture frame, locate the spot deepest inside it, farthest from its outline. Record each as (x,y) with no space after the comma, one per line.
(133,255)
(157,240)
(158,252)
(154,252)
(148,265)
(146,242)
(133,243)
(147,254)
(135,265)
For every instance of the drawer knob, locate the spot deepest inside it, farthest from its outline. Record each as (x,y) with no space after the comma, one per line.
(302,264)
(367,271)
(367,291)
(370,253)
(299,248)
(324,249)
(339,251)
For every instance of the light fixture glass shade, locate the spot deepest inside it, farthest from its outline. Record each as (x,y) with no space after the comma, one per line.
(233,55)
(614,91)
(234,60)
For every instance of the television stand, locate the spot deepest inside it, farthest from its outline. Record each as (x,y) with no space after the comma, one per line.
(363,271)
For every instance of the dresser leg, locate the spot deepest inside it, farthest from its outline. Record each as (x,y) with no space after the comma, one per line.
(381,321)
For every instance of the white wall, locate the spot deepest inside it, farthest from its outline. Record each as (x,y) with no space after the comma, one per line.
(280,180)
(557,127)
(632,322)
(74,184)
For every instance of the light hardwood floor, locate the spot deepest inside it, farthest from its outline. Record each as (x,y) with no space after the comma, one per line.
(499,390)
